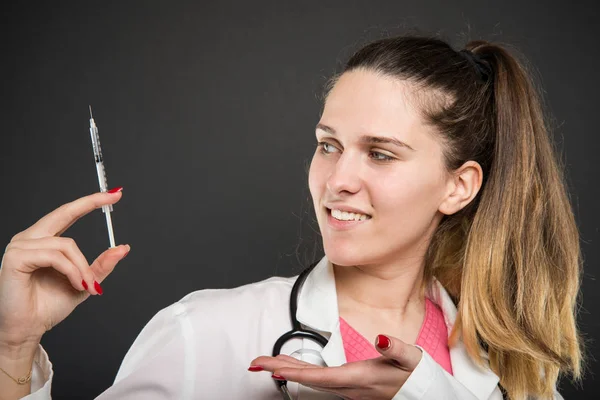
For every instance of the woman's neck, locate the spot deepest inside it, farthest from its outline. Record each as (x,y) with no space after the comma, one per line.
(389,292)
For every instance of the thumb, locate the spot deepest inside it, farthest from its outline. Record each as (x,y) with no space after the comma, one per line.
(106,262)
(406,356)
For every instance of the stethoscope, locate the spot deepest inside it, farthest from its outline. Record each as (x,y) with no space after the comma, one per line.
(297,331)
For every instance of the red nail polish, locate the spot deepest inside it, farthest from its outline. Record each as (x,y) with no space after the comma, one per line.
(85,286)
(383,342)
(115,190)
(98,288)
(278,377)
(255,368)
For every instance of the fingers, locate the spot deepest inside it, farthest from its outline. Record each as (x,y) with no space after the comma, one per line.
(58,221)
(266,363)
(330,377)
(106,262)
(291,359)
(29,260)
(309,374)
(272,363)
(69,248)
(406,356)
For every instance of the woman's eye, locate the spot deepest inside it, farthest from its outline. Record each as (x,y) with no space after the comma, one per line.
(326,148)
(381,157)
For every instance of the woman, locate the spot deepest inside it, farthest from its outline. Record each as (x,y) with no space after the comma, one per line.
(449,242)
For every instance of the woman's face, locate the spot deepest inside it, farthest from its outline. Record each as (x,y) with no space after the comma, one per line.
(378,158)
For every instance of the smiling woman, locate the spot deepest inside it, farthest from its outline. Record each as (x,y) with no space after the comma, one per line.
(451,267)
(457,156)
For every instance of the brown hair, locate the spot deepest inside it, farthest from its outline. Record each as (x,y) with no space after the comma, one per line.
(510,259)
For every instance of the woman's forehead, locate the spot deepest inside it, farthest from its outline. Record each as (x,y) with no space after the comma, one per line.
(365,101)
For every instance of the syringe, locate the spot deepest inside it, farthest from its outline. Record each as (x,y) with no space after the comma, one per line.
(101,176)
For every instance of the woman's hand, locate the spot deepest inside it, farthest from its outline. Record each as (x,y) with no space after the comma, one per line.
(43,276)
(378,378)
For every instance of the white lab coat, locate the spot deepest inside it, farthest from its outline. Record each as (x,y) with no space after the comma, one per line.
(201,346)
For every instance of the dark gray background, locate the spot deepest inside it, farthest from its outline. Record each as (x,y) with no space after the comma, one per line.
(206,113)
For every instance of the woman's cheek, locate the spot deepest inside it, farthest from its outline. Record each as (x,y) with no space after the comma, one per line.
(314,177)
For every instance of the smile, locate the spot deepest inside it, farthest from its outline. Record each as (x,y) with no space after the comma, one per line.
(348,216)
(342,220)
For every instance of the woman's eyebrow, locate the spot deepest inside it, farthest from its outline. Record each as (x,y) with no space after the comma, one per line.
(369,138)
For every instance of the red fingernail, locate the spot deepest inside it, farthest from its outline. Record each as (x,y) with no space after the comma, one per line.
(98,288)
(85,286)
(125,255)
(383,342)
(255,368)
(115,190)
(278,377)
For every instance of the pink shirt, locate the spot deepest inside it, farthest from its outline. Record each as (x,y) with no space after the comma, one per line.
(433,338)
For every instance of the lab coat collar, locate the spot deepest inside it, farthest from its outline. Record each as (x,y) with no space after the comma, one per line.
(317,300)
(480,381)
(318,310)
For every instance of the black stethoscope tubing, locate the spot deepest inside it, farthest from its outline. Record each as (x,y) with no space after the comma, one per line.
(297,331)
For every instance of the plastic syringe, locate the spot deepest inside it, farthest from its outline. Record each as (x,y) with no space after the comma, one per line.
(107,209)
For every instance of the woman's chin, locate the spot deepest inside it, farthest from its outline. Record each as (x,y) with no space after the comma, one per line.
(346,255)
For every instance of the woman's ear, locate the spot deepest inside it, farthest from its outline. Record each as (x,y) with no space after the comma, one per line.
(463,186)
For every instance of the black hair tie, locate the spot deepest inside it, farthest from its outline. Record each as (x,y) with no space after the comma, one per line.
(484,72)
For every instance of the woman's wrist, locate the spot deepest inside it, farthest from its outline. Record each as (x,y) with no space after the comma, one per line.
(12,349)
(16,363)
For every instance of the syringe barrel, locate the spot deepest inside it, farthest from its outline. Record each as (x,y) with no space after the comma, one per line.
(99,161)
(95,141)
(102,181)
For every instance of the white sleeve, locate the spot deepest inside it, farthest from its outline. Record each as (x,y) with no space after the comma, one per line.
(41,376)
(430,381)
(153,368)
(156,365)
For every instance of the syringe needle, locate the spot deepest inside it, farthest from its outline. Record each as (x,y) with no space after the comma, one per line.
(90,111)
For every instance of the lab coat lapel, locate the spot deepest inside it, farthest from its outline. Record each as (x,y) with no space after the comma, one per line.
(318,310)
(481,382)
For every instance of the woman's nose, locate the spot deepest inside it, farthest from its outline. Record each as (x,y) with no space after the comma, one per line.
(345,176)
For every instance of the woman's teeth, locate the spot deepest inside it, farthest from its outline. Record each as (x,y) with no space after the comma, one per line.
(348,216)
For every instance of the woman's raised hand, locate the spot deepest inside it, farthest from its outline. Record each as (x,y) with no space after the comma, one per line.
(44,276)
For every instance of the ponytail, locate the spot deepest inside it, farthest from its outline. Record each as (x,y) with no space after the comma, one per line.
(522,264)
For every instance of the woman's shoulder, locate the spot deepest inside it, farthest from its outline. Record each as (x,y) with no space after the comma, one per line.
(275,285)
(214,304)
(210,313)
